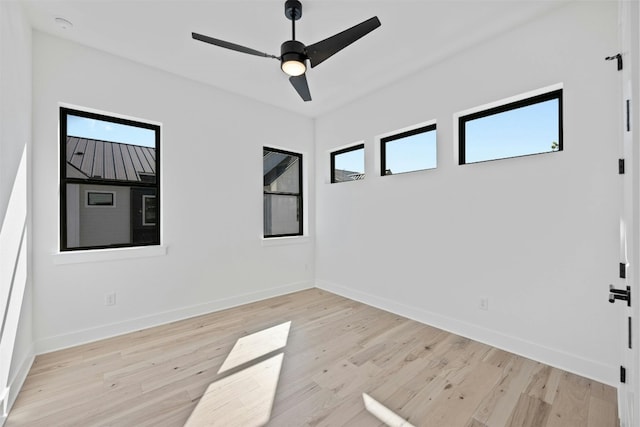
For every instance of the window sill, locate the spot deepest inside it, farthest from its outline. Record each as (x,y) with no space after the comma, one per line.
(98,255)
(289,240)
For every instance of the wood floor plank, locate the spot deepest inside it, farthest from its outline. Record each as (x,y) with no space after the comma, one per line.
(571,405)
(529,412)
(336,350)
(499,403)
(601,412)
(455,405)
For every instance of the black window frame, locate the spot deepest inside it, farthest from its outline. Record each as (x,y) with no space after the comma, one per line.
(110,204)
(401,135)
(64,180)
(299,194)
(337,153)
(526,102)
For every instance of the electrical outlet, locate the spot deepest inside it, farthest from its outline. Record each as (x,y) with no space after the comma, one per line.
(484,303)
(110,299)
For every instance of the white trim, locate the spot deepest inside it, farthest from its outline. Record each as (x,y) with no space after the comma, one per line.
(550,356)
(509,100)
(114,329)
(111,254)
(406,129)
(107,113)
(285,240)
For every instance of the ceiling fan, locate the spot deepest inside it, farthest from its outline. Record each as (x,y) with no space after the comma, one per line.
(294,54)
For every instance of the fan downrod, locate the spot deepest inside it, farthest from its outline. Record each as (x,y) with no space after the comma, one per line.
(293,10)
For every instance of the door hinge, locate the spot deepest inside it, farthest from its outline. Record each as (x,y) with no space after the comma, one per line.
(621,166)
(623,270)
(620,294)
(618,57)
(623,374)
(630,335)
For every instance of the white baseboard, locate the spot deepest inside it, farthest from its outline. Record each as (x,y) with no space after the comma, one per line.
(549,356)
(84,336)
(15,384)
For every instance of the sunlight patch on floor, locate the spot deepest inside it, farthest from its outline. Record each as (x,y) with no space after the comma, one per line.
(245,398)
(242,399)
(383,413)
(256,345)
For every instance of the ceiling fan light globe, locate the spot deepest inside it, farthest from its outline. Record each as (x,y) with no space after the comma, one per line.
(294,67)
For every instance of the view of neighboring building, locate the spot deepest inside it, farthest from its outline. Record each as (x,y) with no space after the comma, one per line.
(110,194)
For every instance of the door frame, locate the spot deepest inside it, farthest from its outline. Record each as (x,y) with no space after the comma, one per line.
(628,392)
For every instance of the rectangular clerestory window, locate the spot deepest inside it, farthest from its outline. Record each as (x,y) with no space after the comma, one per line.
(529,126)
(347,164)
(409,151)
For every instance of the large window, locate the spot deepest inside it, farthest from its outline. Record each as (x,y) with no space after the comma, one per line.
(409,151)
(347,164)
(110,181)
(282,203)
(521,128)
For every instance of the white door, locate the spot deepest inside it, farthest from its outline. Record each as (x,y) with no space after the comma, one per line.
(626,288)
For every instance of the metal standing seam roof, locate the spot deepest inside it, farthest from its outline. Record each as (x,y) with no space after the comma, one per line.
(110,160)
(341,175)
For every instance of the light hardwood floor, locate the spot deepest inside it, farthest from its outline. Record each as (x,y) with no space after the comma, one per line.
(297,360)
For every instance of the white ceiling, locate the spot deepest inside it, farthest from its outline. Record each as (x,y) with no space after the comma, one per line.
(414,35)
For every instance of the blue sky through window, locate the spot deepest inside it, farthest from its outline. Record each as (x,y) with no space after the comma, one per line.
(526,130)
(109,131)
(412,153)
(352,161)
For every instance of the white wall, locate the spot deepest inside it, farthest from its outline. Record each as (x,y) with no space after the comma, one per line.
(537,235)
(211,200)
(16,349)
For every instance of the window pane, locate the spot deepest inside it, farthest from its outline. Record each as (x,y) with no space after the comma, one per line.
(415,151)
(100,199)
(281,214)
(109,176)
(282,202)
(107,225)
(281,172)
(515,131)
(348,165)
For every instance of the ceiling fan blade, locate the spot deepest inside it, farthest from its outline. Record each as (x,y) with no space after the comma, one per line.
(232,46)
(318,52)
(300,85)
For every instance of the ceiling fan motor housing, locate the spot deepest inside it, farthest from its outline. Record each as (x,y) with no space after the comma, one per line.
(293,58)
(293,10)
(293,50)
